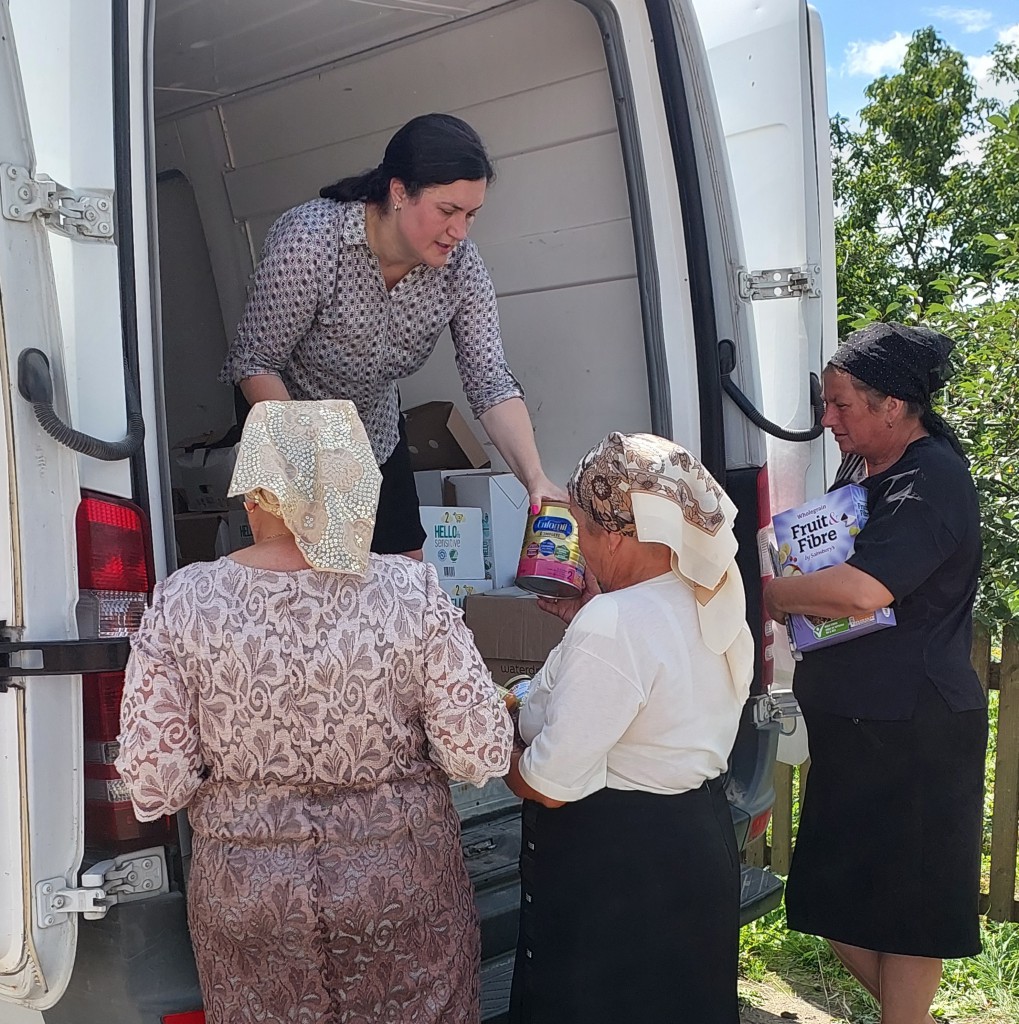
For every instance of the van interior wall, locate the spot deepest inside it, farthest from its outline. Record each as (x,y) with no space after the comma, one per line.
(555,232)
(194,341)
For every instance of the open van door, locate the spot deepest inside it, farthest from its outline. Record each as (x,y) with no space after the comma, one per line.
(768,71)
(40,714)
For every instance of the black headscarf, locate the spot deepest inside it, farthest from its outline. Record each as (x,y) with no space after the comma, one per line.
(910,363)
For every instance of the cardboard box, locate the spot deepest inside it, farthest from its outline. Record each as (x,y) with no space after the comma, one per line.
(818,535)
(460,590)
(453,541)
(503,501)
(811,632)
(234,532)
(430,485)
(206,536)
(439,438)
(512,633)
(204,474)
(196,534)
(822,532)
(435,486)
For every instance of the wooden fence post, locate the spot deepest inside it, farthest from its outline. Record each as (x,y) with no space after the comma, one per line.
(980,653)
(1005,826)
(782,820)
(754,853)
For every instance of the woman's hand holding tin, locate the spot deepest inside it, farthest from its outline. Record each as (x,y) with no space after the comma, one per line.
(543,491)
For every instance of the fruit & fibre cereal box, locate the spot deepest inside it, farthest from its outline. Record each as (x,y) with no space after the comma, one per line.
(818,535)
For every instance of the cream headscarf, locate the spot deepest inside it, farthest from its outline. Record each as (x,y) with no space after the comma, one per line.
(311,464)
(646,487)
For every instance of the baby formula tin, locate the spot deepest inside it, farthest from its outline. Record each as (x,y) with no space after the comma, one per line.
(514,693)
(551,564)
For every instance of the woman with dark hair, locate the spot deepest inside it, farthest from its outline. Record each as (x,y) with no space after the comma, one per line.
(887,860)
(354,290)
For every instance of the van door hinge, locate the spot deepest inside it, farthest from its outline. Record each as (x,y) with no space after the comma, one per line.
(125,879)
(775,708)
(781,283)
(76,213)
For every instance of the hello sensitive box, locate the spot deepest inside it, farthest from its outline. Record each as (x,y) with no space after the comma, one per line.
(818,535)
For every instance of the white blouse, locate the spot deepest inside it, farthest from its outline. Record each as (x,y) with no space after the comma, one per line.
(631,699)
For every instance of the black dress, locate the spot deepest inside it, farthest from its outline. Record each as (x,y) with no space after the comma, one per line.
(629,910)
(888,849)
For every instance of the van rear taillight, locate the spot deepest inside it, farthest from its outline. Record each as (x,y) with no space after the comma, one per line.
(114,565)
(759,825)
(115,577)
(101,711)
(763,539)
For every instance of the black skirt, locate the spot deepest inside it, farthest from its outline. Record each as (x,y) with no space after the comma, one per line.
(629,910)
(398,521)
(887,855)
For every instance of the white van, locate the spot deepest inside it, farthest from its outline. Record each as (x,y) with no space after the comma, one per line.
(660,235)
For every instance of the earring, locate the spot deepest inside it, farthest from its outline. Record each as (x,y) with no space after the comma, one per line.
(397,206)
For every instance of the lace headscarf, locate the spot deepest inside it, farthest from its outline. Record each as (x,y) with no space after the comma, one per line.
(311,465)
(652,489)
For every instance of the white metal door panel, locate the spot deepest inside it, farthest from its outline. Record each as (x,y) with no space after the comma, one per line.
(69,99)
(8,611)
(767,68)
(40,717)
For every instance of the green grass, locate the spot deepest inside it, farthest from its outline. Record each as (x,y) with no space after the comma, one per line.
(985,987)
(980,990)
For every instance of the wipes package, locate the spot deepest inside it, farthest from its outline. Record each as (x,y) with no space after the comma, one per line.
(817,535)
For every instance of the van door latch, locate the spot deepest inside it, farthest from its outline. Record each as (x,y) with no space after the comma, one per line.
(125,879)
(780,283)
(776,707)
(60,657)
(76,213)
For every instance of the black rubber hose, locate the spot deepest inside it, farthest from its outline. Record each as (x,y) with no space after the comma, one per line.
(727,361)
(759,420)
(36,387)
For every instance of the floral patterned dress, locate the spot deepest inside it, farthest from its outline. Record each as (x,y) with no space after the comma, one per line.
(310,722)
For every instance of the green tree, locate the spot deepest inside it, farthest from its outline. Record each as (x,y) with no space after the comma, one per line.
(982,400)
(923,176)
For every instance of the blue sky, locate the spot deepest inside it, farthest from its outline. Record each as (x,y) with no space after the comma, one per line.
(867,38)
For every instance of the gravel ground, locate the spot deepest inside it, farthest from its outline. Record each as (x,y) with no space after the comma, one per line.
(767,1004)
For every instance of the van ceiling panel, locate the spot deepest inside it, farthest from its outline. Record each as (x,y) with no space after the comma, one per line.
(210,49)
(483,60)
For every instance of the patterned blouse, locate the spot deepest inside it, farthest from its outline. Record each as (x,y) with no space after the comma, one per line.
(247,682)
(319,316)
(309,721)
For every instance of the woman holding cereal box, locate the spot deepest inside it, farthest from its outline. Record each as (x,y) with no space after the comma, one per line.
(896,719)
